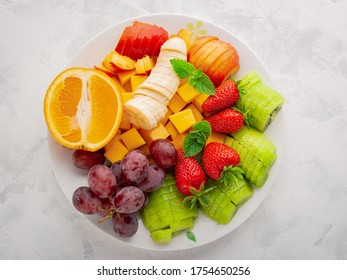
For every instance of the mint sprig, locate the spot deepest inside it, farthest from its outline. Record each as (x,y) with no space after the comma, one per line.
(196,78)
(195,141)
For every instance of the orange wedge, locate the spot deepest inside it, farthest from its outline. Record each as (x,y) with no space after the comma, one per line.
(83,108)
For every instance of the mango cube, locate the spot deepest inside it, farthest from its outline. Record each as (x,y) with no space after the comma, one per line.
(187,92)
(124,76)
(136,80)
(216,137)
(132,139)
(119,86)
(172,130)
(196,112)
(177,103)
(116,151)
(166,117)
(178,141)
(183,120)
(197,101)
(127,95)
(145,148)
(114,139)
(158,132)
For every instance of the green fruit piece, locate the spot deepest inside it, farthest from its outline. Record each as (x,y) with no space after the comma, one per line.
(262,176)
(184,224)
(262,101)
(162,236)
(166,208)
(258,166)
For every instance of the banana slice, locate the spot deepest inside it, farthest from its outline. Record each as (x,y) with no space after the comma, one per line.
(166,55)
(157,88)
(153,94)
(138,115)
(175,44)
(168,70)
(168,82)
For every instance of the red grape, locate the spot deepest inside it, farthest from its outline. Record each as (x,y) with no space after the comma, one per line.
(85,200)
(134,167)
(125,225)
(163,153)
(102,181)
(154,180)
(128,200)
(116,168)
(86,160)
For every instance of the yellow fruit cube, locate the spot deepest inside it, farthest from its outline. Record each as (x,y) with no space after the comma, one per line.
(118,84)
(216,137)
(158,132)
(124,76)
(172,130)
(116,151)
(166,117)
(196,112)
(132,139)
(127,96)
(136,80)
(125,124)
(178,141)
(183,120)
(177,103)
(114,139)
(197,101)
(145,148)
(187,92)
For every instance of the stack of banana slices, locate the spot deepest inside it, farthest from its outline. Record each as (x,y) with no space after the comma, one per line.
(149,104)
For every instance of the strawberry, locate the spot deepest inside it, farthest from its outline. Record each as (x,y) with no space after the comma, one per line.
(188,174)
(221,162)
(226,121)
(225,96)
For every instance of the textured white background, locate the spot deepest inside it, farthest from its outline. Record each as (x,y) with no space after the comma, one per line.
(303,45)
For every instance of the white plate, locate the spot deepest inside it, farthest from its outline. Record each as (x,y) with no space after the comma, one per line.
(205,230)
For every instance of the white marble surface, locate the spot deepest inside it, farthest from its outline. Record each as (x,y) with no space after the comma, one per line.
(304,46)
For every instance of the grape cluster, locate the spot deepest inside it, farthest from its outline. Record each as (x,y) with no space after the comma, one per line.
(121,190)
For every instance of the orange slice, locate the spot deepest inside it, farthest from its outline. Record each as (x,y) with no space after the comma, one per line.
(83,108)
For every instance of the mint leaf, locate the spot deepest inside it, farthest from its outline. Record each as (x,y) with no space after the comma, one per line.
(195,141)
(204,127)
(204,85)
(190,235)
(196,74)
(182,68)
(196,78)
(193,144)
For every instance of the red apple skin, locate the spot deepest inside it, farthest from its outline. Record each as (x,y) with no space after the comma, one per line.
(198,43)
(229,61)
(207,50)
(217,64)
(151,40)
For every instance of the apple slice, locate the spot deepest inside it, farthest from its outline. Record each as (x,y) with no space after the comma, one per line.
(205,51)
(229,61)
(198,43)
(144,65)
(116,62)
(105,70)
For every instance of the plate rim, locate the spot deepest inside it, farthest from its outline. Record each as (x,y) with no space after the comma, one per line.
(269,81)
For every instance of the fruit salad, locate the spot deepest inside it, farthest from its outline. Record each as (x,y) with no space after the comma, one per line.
(164,131)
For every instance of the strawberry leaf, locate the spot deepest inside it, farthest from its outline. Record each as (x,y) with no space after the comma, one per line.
(231,175)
